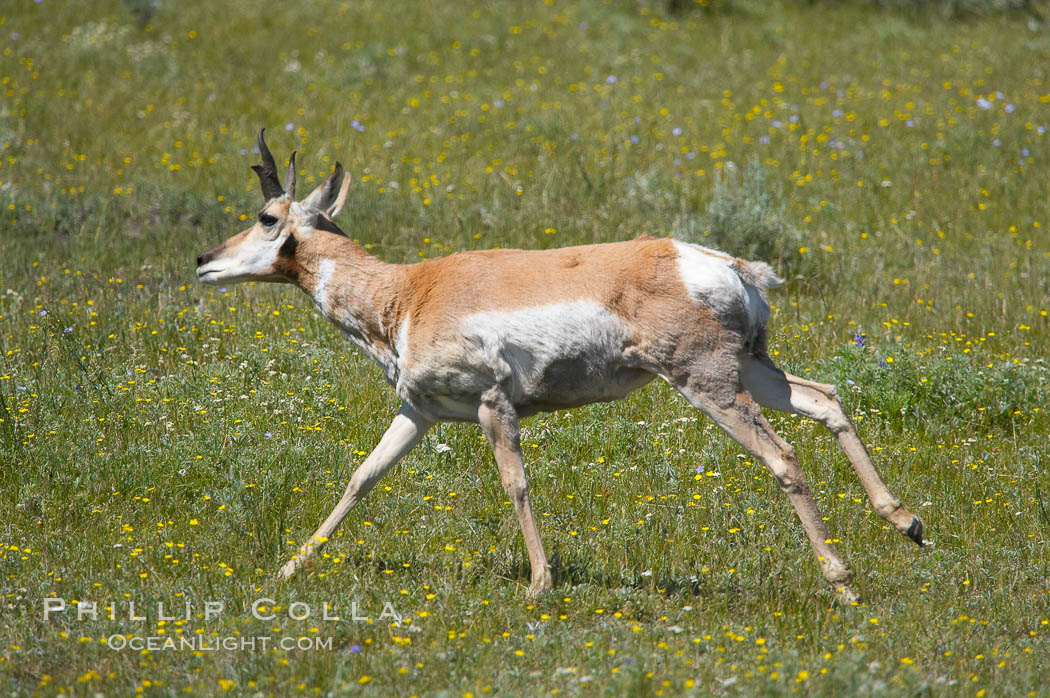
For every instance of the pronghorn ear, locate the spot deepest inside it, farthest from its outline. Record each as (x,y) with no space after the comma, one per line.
(333,209)
(329,198)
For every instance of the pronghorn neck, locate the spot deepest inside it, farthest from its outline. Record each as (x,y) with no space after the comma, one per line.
(312,260)
(351,288)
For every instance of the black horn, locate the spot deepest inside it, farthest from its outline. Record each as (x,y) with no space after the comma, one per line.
(267,171)
(291,177)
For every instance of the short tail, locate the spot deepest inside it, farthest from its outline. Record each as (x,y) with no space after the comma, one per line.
(757,274)
(757,277)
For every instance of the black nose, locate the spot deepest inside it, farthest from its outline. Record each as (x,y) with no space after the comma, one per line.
(200,260)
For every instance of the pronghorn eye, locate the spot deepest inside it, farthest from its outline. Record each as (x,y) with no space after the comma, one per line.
(267,220)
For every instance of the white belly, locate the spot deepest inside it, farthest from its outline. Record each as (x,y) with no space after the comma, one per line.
(559,354)
(544,357)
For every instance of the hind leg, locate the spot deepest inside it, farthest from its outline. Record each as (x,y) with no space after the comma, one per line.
(782,391)
(743,421)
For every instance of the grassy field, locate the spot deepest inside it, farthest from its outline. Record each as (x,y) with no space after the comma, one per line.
(168,443)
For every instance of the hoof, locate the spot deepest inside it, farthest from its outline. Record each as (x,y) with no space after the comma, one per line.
(846,596)
(540,585)
(915,531)
(289,569)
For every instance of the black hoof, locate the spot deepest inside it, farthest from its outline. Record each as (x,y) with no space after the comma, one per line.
(915,531)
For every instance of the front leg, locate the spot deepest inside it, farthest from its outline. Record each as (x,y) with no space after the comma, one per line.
(403,434)
(499,421)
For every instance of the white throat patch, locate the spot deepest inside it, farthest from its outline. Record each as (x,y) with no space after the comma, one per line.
(324,277)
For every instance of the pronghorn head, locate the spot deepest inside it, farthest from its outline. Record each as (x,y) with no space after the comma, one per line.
(266,251)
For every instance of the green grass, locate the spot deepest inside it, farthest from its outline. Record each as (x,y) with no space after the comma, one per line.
(164,441)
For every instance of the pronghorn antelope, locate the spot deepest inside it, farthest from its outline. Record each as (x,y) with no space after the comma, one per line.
(496,335)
